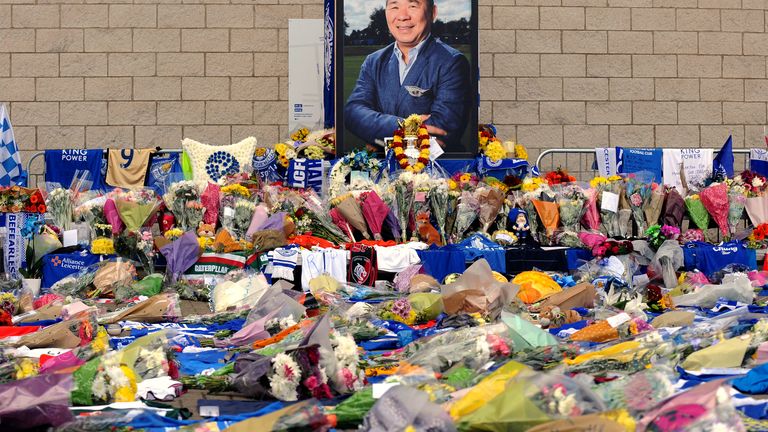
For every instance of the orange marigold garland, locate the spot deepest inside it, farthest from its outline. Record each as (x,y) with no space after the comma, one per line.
(423,144)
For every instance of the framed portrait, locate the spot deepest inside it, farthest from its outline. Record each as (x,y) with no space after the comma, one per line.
(395,58)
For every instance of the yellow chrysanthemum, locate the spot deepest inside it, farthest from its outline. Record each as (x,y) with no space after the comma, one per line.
(452,184)
(494,151)
(100,343)
(236,189)
(102,246)
(26,368)
(521,152)
(173,233)
(597,181)
(204,242)
(314,152)
(300,135)
(127,393)
(530,184)
(281,148)
(614,178)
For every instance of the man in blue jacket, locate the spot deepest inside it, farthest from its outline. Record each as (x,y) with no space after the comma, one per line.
(417,74)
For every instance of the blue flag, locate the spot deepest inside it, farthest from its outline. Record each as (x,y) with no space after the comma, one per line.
(11,171)
(723,162)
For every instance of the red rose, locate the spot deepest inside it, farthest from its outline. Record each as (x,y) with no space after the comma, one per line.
(615,249)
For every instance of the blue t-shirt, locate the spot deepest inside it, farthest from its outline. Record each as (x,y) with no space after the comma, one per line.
(161,168)
(439,262)
(713,258)
(61,166)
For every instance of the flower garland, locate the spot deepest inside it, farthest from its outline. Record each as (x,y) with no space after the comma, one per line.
(412,123)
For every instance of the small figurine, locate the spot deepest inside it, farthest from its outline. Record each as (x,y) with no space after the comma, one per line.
(520,225)
(427,233)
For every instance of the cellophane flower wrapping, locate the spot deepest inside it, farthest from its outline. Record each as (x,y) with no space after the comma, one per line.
(638,190)
(490,200)
(210,200)
(59,203)
(438,200)
(654,204)
(176,198)
(549,216)
(697,212)
(466,213)
(352,212)
(136,206)
(609,215)
(715,200)
(229,196)
(37,401)
(404,195)
(737,200)
(570,202)
(591,218)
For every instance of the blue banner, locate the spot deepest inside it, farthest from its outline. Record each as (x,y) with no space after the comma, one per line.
(644,159)
(329,91)
(758,161)
(59,266)
(15,252)
(305,173)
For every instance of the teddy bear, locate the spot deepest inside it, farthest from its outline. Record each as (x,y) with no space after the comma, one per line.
(206,230)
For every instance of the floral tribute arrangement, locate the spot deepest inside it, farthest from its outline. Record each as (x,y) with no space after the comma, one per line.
(411,129)
(433,286)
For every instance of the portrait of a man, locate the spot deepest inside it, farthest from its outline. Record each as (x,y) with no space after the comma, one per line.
(417,73)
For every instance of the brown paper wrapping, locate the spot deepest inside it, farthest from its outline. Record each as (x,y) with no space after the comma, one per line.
(63,334)
(160,308)
(113,274)
(581,295)
(478,291)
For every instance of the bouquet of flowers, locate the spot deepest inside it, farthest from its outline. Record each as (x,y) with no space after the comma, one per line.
(737,200)
(591,218)
(658,234)
(757,203)
(422,184)
(610,248)
(757,238)
(350,209)
(608,194)
(135,206)
(242,218)
(653,204)
(570,202)
(176,199)
(229,196)
(59,203)
(559,176)
(466,213)
(697,212)
(638,191)
(715,200)
(404,195)
(438,200)
(490,200)
(14,199)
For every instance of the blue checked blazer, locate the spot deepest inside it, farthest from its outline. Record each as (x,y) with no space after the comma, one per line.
(379,100)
